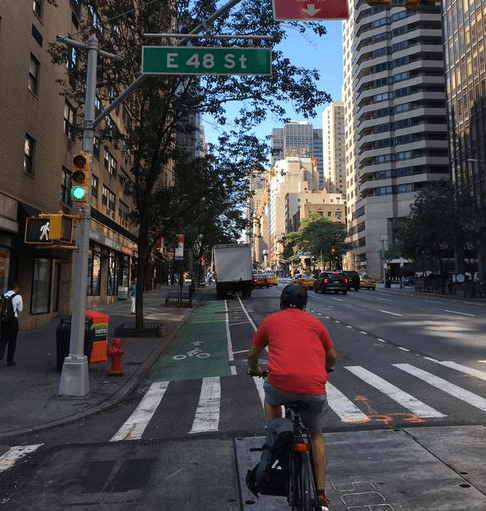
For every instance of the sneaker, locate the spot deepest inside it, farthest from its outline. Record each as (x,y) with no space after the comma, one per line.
(322,502)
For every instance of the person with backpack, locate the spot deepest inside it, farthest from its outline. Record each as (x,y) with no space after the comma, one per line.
(300,355)
(11,304)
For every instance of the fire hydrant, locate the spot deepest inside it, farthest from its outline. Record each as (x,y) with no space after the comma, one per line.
(115,353)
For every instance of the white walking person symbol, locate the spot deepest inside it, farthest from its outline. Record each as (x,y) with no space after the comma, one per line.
(45,231)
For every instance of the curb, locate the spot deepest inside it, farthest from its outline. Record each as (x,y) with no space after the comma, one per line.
(123,392)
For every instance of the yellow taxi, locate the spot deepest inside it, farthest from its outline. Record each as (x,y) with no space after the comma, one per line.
(306,281)
(367,282)
(273,279)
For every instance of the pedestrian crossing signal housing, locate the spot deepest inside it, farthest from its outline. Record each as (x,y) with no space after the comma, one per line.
(80,178)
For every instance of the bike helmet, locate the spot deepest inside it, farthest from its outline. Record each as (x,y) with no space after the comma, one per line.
(293,295)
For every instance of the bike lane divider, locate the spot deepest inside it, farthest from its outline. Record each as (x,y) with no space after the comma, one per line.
(200,349)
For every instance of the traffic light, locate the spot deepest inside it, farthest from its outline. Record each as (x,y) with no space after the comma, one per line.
(80,178)
(412,4)
(379,3)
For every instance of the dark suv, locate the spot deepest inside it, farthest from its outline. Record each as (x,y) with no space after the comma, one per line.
(331,281)
(353,279)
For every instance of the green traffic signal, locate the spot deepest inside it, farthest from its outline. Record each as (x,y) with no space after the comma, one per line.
(78,192)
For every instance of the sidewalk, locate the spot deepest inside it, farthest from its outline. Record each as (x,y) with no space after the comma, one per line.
(29,397)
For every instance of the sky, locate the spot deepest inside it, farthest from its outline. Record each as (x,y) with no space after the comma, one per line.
(313,52)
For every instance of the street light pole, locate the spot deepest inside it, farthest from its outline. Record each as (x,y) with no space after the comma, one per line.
(74,375)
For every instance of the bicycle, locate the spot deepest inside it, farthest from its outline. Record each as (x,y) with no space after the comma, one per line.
(301,487)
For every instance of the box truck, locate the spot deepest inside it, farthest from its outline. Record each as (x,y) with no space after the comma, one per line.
(233,269)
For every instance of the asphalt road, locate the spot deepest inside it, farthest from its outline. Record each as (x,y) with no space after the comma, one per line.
(405,430)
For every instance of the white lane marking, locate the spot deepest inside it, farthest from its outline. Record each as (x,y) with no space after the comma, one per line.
(380,340)
(8,459)
(247,315)
(137,422)
(445,386)
(231,357)
(402,348)
(207,412)
(463,369)
(460,313)
(392,313)
(403,398)
(344,408)
(259,387)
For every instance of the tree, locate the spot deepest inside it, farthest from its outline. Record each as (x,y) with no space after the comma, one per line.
(320,238)
(443,221)
(161,106)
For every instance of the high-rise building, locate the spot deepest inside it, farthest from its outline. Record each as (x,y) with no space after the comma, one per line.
(465,56)
(395,122)
(333,148)
(465,52)
(298,138)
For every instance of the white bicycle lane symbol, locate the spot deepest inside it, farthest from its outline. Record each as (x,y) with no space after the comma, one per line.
(196,352)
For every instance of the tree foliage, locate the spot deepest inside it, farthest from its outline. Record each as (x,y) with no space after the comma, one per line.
(162,106)
(320,239)
(443,221)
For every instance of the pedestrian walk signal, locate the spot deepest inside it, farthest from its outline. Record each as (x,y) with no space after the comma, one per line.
(80,178)
(50,230)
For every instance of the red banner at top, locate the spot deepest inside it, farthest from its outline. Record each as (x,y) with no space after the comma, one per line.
(310,10)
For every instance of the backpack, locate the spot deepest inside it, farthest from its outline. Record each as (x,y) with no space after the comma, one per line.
(7,313)
(271,475)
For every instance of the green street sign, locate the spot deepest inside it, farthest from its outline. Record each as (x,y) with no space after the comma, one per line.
(172,60)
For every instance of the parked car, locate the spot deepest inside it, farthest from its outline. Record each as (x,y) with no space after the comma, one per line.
(261,280)
(306,281)
(331,281)
(367,282)
(273,279)
(353,279)
(408,281)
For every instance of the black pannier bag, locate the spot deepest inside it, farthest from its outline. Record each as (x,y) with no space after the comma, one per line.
(271,475)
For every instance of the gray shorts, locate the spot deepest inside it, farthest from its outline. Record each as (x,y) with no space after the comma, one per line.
(315,410)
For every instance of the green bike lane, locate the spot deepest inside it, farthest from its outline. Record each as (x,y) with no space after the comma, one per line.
(200,349)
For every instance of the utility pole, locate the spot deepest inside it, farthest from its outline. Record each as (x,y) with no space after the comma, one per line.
(74,376)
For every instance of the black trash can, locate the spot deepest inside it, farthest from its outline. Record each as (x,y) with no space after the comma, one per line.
(63,339)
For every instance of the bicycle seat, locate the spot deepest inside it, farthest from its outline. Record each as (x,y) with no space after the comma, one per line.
(296,407)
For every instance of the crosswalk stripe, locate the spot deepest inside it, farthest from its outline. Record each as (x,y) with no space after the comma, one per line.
(137,422)
(463,369)
(207,413)
(403,398)
(8,459)
(445,386)
(344,408)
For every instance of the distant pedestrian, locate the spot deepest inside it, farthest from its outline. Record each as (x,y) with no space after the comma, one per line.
(133,296)
(10,322)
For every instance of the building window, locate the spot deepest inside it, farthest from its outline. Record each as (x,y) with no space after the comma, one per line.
(94,272)
(33,74)
(123,213)
(108,199)
(69,121)
(112,281)
(95,185)
(37,7)
(41,286)
(29,149)
(72,59)
(66,186)
(109,163)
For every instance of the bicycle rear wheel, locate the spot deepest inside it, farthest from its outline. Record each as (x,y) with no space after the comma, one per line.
(302,489)
(308,485)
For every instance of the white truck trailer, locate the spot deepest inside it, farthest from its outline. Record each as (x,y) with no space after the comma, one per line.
(233,268)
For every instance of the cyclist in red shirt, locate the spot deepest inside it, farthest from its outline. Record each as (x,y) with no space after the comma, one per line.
(300,354)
